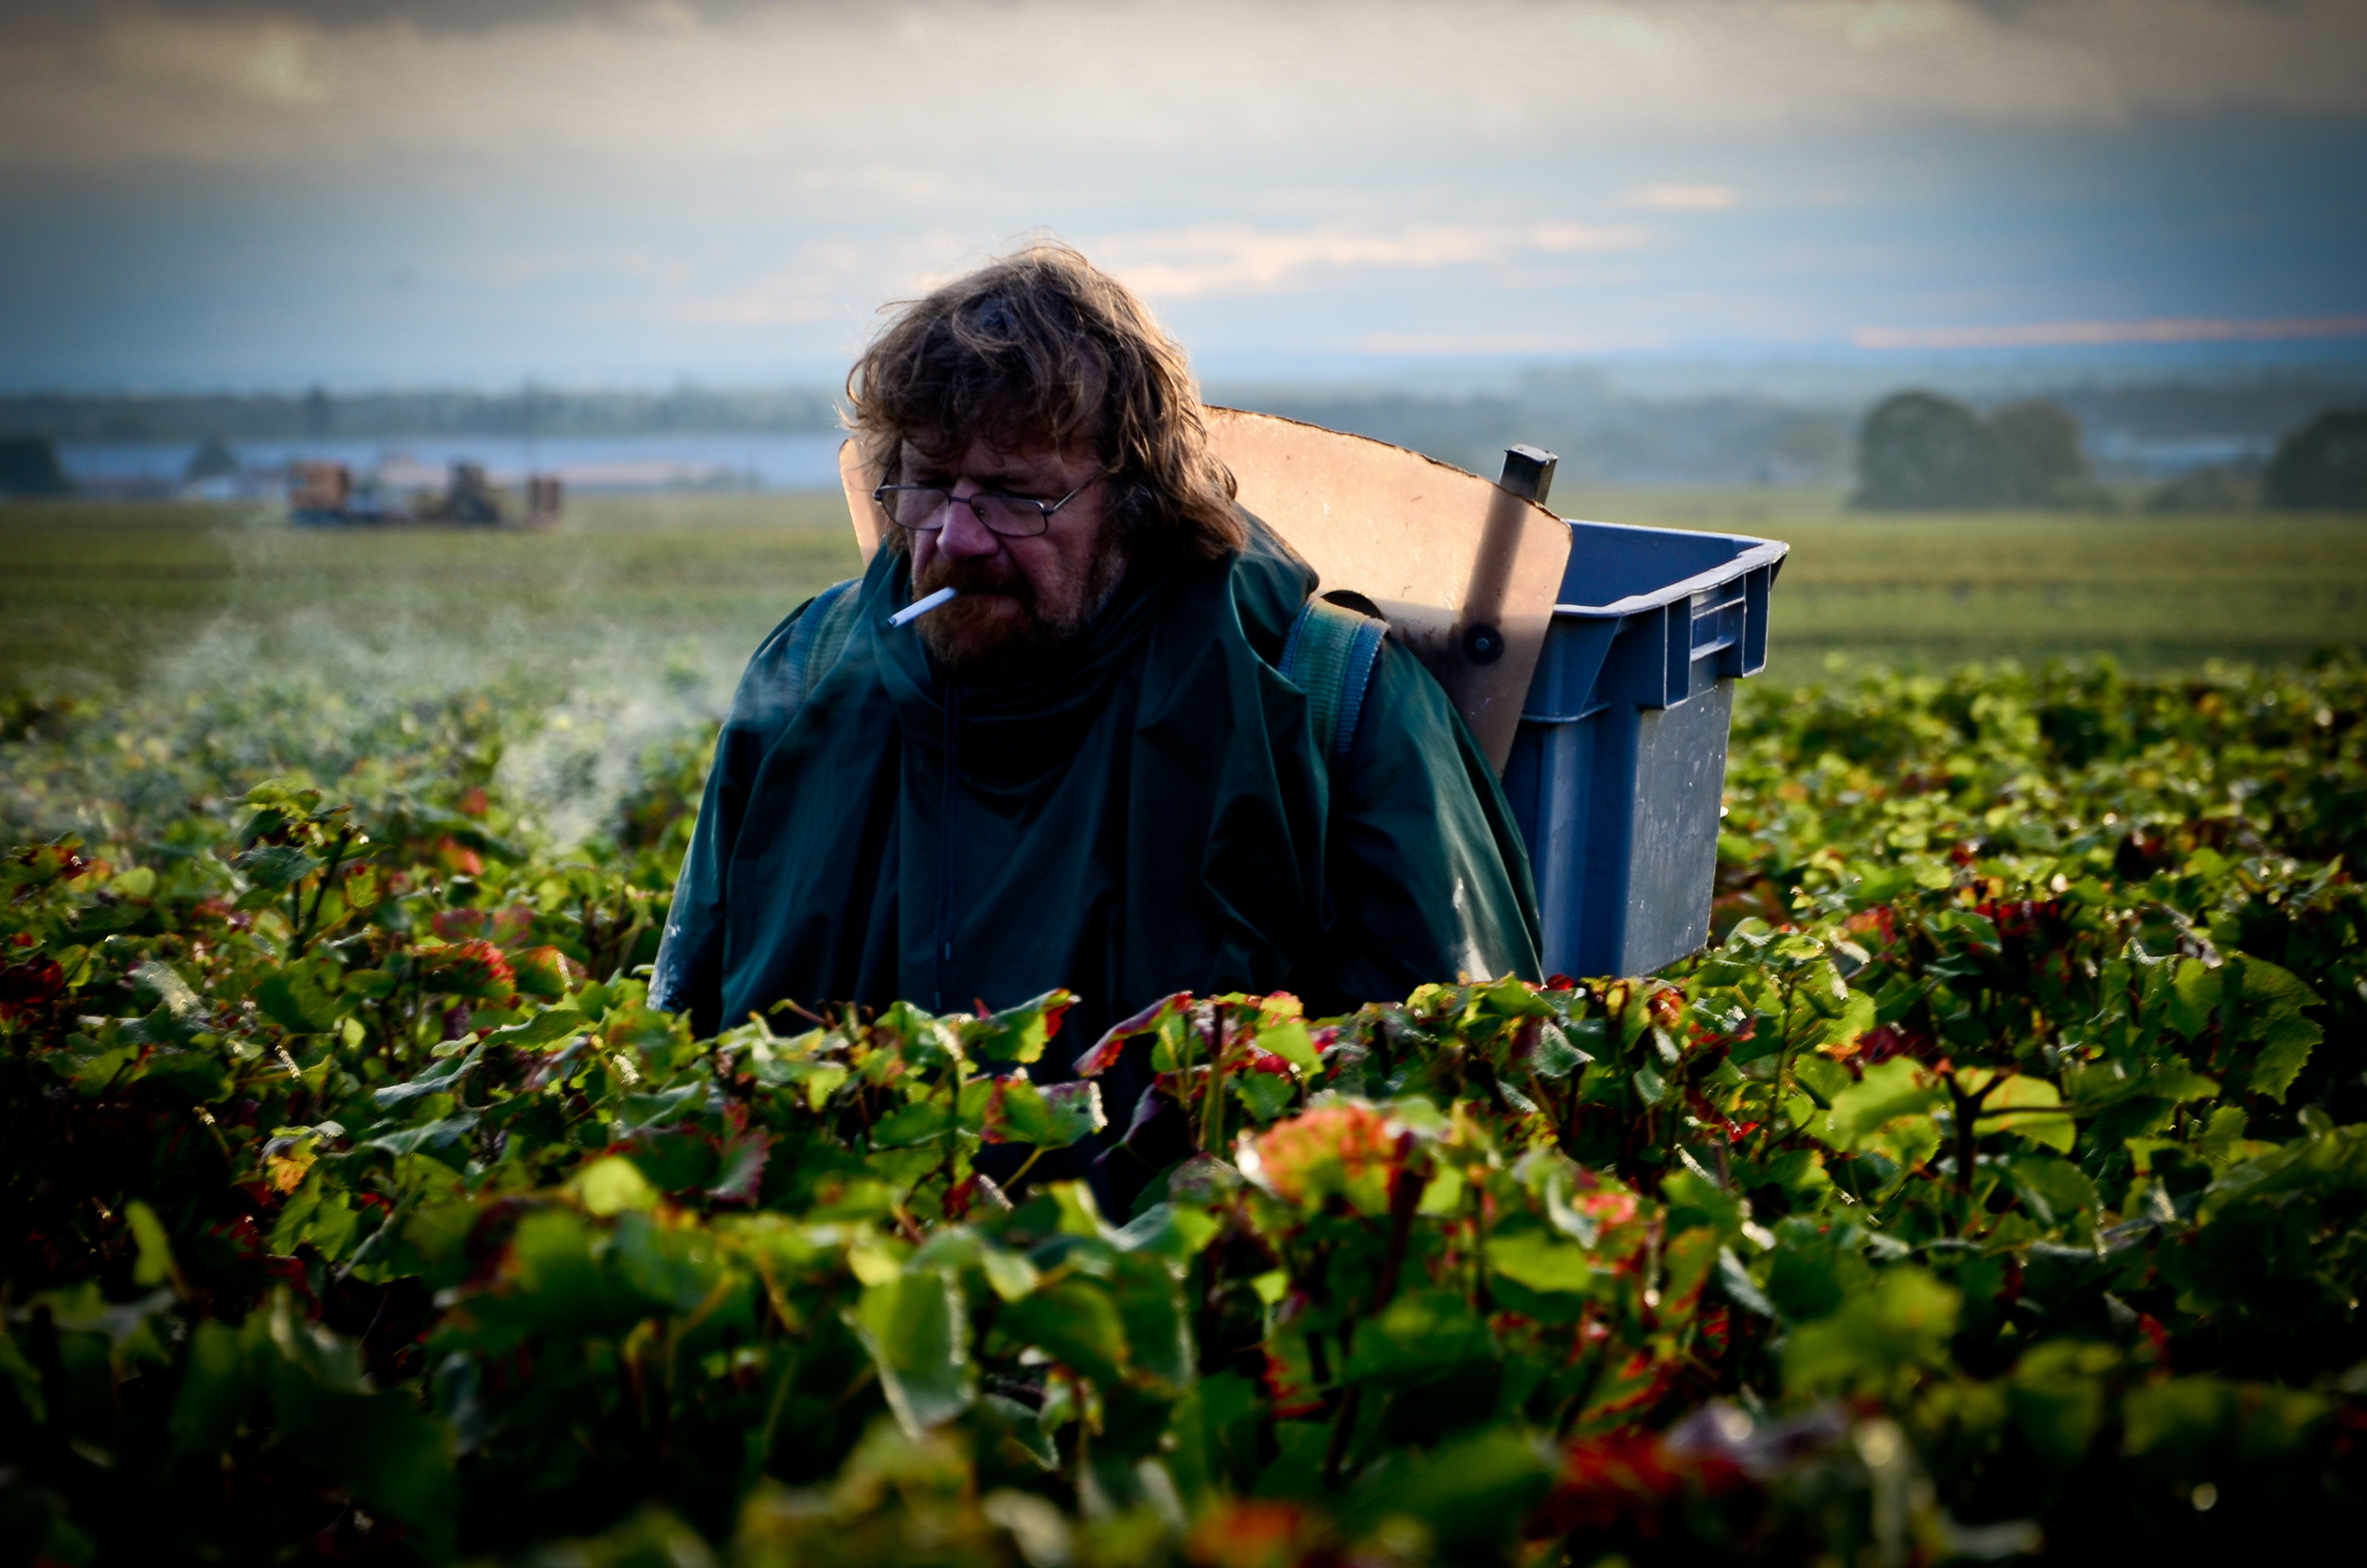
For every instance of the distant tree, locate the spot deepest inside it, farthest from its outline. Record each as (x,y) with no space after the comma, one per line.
(1920,452)
(28,466)
(2322,465)
(130,421)
(2038,457)
(212,460)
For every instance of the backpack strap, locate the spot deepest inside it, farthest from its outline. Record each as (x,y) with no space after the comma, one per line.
(1329,655)
(820,636)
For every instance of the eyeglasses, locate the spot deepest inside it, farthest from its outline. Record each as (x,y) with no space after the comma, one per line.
(923,508)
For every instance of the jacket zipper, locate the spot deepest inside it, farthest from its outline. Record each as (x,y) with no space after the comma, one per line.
(952,792)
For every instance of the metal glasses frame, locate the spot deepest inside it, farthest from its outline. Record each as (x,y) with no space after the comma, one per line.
(977,503)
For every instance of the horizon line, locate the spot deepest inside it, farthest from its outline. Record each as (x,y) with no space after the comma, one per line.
(2160,329)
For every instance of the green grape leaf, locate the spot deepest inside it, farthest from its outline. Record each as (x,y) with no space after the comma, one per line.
(1077,1324)
(1888,1091)
(917,1330)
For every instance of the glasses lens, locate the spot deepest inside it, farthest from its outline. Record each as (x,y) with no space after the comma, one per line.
(1012,515)
(913,505)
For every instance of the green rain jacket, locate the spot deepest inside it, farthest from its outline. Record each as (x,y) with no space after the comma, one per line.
(1152,817)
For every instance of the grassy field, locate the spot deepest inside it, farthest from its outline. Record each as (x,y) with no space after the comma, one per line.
(107,594)
(1932,591)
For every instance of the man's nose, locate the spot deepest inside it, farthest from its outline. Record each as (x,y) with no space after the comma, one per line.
(964,537)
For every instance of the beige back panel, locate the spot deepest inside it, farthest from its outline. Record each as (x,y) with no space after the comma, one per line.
(1438,551)
(871,523)
(1457,565)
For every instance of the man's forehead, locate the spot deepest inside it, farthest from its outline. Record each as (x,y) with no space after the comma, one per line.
(998,453)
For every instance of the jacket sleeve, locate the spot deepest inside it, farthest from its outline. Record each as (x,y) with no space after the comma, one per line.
(1428,874)
(689,975)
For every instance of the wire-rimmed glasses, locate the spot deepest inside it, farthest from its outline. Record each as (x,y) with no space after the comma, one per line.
(923,508)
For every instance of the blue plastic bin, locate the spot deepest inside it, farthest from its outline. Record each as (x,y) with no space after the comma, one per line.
(1616,773)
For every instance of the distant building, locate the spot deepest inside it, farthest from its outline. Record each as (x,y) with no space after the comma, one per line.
(319,493)
(324,494)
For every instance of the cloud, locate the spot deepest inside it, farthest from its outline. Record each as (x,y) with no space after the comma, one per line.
(2054,335)
(1683,198)
(825,280)
(269,62)
(428,15)
(254,83)
(643,187)
(1229,258)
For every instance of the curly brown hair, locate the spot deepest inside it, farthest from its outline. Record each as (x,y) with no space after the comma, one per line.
(1043,347)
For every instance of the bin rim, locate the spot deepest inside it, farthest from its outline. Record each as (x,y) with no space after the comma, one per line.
(1757,553)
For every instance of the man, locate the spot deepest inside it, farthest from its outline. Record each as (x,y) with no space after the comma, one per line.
(1084,770)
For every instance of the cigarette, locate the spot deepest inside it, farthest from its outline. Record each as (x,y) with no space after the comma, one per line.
(920,606)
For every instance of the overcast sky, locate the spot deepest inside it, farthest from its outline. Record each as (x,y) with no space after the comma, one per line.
(364,192)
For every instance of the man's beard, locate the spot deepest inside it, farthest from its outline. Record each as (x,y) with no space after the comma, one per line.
(1000,627)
